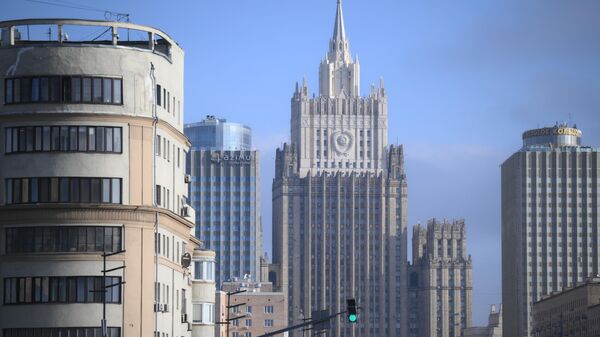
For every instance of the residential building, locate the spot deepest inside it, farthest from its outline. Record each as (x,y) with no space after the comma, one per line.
(204,310)
(573,312)
(263,310)
(440,280)
(339,203)
(493,329)
(224,192)
(550,220)
(92,162)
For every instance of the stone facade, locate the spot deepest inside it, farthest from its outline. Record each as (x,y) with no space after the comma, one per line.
(440,280)
(573,312)
(340,202)
(550,221)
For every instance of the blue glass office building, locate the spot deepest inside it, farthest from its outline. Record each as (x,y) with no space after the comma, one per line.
(224,193)
(218,134)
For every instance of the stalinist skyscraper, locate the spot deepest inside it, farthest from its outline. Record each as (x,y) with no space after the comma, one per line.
(339,203)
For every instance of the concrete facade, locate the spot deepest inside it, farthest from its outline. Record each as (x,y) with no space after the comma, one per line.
(550,221)
(573,312)
(440,286)
(340,202)
(92,160)
(225,193)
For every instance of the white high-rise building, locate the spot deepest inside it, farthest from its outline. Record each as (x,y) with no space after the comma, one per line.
(550,222)
(339,203)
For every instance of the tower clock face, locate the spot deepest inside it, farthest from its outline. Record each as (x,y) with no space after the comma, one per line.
(343,142)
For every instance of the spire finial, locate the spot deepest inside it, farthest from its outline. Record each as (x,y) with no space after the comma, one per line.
(339,32)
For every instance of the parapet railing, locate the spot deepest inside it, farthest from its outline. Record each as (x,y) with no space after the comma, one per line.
(30,32)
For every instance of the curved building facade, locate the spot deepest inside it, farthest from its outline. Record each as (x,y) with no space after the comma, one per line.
(218,134)
(92,161)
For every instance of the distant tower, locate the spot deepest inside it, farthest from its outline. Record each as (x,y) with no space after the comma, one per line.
(224,192)
(339,203)
(440,286)
(550,221)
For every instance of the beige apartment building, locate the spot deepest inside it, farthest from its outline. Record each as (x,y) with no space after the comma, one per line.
(573,312)
(92,161)
(263,309)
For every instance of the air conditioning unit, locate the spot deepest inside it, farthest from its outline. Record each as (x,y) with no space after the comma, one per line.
(165,308)
(188,179)
(185,211)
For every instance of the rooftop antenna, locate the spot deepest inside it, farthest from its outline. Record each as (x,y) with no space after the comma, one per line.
(570,119)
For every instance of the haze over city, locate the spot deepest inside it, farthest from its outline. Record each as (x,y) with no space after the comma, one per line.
(464,81)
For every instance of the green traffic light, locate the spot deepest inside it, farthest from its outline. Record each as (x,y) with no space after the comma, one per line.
(352,318)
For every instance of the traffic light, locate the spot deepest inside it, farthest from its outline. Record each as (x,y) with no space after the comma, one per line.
(351,311)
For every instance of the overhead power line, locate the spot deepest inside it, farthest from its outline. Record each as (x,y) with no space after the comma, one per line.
(67,4)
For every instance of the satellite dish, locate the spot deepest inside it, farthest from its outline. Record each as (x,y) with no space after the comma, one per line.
(186,260)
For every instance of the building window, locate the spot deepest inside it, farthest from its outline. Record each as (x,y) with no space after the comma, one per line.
(204,270)
(269,309)
(248,322)
(63,89)
(63,190)
(63,138)
(78,289)
(268,323)
(203,313)
(71,331)
(63,239)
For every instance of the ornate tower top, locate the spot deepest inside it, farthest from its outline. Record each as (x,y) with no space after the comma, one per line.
(338,74)
(338,45)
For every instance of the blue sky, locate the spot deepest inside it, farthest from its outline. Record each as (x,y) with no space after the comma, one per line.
(464,79)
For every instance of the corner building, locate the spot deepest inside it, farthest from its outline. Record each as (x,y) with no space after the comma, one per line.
(92,161)
(550,223)
(339,203)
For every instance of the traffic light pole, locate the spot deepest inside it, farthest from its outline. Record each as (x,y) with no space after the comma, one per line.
(105,288)
(311,322)
(229,307)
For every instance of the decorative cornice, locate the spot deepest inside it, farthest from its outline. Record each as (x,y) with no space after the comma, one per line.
(86,213)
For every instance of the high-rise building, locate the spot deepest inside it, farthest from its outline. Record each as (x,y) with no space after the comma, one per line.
(339,203)
(225,195)
(218,134)
(550,220)
(440,288)
(92,162)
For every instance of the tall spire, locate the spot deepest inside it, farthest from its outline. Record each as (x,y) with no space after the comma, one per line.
(338,73)
(339,32)
(338,46)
